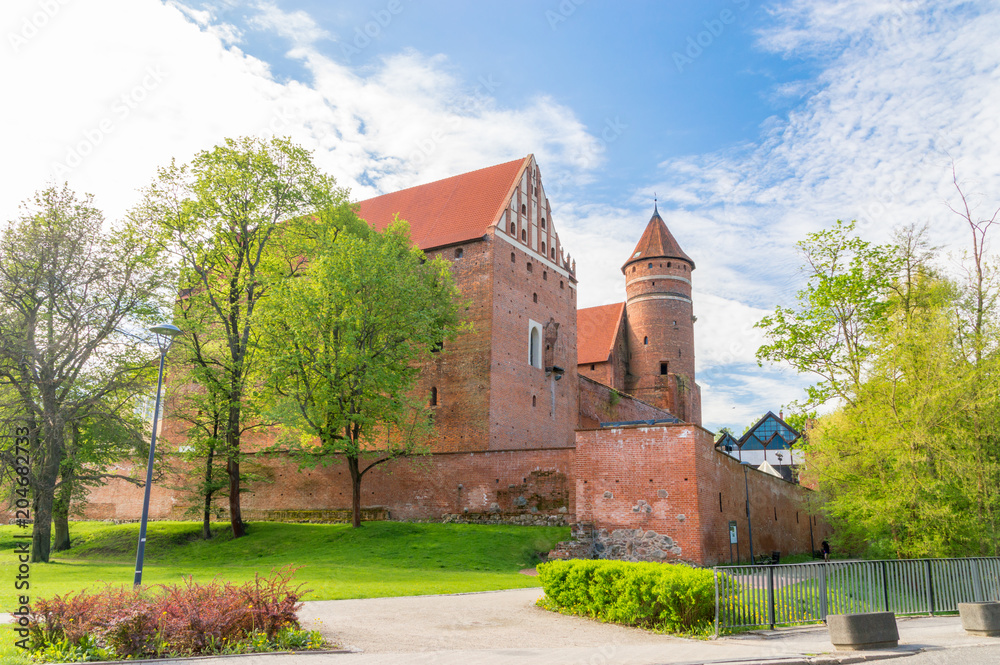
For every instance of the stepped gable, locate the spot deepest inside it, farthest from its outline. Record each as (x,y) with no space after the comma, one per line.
(596,331)
(449,211)
(657,241)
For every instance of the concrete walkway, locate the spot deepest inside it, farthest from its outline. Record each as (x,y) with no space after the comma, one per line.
(506,627)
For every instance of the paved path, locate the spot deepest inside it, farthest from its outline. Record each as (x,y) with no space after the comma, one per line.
(505,627)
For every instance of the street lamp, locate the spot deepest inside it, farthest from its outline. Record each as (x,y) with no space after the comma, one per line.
(165,334)
(746,485)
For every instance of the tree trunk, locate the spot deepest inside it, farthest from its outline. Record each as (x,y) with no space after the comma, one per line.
(41,533)
(233,467)
(60,513)
(352,464)
(206,523)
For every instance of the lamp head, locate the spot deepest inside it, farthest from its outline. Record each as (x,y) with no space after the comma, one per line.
(165,334)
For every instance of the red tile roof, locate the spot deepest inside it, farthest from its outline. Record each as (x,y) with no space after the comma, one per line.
(596,330)
(451,210)
(656,241)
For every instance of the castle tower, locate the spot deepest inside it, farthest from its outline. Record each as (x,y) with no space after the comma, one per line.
(661,323)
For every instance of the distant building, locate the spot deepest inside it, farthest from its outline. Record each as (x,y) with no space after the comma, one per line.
(769,440)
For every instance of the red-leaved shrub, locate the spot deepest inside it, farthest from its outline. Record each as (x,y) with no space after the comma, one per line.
(185,618)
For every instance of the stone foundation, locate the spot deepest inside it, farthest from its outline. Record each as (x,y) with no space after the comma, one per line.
(519,519)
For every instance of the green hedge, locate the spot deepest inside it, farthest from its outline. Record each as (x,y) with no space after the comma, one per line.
(669,597)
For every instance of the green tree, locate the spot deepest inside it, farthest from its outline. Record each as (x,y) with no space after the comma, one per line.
(222,216)
(345,342)
(72,296)
(830,330)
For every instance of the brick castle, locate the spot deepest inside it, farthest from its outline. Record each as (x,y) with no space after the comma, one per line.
(545,414)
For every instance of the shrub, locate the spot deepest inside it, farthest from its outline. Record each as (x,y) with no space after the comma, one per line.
(669,597)
(179,619)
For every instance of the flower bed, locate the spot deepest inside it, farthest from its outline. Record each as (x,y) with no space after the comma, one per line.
(117,623)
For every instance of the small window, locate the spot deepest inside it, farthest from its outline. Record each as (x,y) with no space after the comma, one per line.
(459,252)
(543,222)
(535,347)
(654,283)
(645,340)
(720,502)
(561,285)
(543,248)
(650,265)
(513,228)
(533,402)
(524,236)
(663,369)
(675,323)
(678,353)
(529,266)
(592,367)
(513,259)
(545,275)
(775,513)
(524,209)
(534,297)
(552,252)
(434,396)
(668,264)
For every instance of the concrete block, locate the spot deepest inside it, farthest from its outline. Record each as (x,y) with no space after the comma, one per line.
(862,632)
(980,618)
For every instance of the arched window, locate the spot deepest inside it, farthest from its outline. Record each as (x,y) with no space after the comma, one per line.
(524,236)
(513,228)
(512,258)
(543,247)
(668,264)
(650,265)
(543,222)
(553,252)
(459,252)
(535,347)
(524,209)
(532,400)
(534,297)
(529,266)
(645,340)
(545,275)
(434,396)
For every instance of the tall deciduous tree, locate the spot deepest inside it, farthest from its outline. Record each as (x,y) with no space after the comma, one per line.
(221,217)
(72,296)
(345,342)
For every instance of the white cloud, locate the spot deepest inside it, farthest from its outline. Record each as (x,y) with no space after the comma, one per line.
(298,27)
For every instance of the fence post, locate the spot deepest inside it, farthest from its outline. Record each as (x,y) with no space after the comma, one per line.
(716,574)
(930,588)
(770,596)
(822,591)
(977,581)
(885,585)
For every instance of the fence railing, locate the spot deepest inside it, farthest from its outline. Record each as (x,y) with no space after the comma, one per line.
(785,594)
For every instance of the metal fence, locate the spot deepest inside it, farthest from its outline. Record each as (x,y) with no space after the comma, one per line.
(785,594)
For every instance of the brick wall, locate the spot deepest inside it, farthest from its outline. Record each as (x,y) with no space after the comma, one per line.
(427,487)
(667,479)
(599,403)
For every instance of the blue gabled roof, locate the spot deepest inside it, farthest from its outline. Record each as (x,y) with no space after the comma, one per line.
(771,432)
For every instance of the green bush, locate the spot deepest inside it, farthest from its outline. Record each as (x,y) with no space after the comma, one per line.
(668,597)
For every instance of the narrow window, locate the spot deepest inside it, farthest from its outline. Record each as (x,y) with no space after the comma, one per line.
(543,248)
(533,400)
(535,348)
(513,259)
(434,396)
(524,209)
(545,275)
(663,369)
(552,252)
(592,367)
(543,222)
(720,502)
(459,252)
(524,236)
(650,265)
(513,228)
(645,340)
(678,353)
(668,262)
(796,517)
(561,285)
(534,297)
(529,266)
(675,323)
(654,283)
(775,513)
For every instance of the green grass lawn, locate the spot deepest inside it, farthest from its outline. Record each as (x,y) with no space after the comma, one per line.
(334,560)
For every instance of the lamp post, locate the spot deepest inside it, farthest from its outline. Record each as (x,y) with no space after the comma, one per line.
(746,485)
(165,334)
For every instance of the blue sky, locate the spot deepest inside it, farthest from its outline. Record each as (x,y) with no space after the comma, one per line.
(754,122)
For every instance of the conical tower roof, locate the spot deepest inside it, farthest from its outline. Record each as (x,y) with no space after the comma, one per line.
(657,242)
